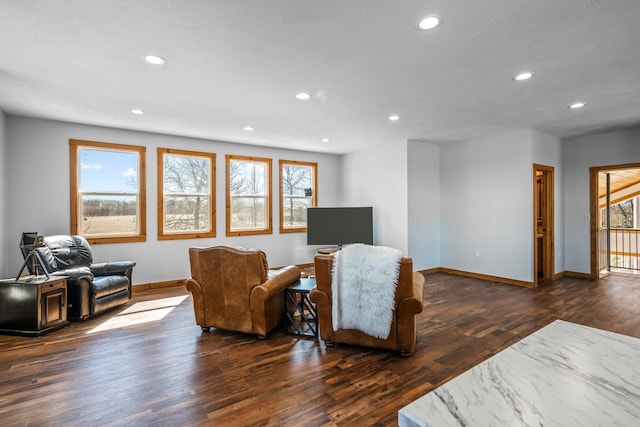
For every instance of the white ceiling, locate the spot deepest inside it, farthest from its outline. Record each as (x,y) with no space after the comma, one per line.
(235,63)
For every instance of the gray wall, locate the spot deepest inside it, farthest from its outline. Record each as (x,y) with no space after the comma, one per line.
(4,178)
(579,154)
(377,177)
(38,156)
(487,205)
(423,170)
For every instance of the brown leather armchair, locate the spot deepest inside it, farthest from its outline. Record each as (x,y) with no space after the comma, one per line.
(233,289)
(408,303)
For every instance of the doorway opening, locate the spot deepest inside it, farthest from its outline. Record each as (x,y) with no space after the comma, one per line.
(543,247)
(615,219)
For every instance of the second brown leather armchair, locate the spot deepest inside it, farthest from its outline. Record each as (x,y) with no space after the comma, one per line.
(408,303)
(233,289)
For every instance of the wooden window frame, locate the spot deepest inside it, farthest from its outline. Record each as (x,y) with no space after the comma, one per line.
(74,147)
(162,235)
(314,192)
(267,197)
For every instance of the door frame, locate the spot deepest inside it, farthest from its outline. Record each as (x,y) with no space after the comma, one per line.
(548,251)
(593,212)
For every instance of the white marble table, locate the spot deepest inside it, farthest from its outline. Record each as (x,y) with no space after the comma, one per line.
(562,375)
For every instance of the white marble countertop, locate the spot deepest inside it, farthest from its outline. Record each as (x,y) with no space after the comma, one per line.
(562,375)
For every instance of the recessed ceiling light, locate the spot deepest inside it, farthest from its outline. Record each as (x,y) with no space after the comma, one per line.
(325,140)
(523,76)
(303,96)
(394,117)
(137,111)
(155,60)
(429,22)
(248,128)
(577,105)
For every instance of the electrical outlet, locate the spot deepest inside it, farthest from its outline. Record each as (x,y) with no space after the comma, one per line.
(477,253)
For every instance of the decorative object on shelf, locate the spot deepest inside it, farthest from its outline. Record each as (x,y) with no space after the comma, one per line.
(29,244)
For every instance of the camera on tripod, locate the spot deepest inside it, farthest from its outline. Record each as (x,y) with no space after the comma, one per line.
(29,244)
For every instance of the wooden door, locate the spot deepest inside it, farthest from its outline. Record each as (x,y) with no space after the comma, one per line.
(543,205)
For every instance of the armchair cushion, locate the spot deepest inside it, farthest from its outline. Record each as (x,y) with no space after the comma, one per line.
(48,260)
(107,285)
(69,251)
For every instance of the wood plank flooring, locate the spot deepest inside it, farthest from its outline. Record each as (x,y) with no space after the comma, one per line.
(165,372)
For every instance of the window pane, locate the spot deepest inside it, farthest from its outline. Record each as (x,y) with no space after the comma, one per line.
(186,213)
(248,213)
(184,174)
(296,180)
(108,171)
(108,215)
(186,193)
(248,195)
(247,178)
(108,195)
(295,211)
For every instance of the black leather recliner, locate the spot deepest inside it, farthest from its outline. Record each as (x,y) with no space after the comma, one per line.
(91,288)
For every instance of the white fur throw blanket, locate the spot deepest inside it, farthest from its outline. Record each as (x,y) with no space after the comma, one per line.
(364,280)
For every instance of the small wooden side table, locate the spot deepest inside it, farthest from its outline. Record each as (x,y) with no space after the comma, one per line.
(301,317)
(33,306)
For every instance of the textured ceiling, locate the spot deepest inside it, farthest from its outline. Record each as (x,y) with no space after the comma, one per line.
(238,63)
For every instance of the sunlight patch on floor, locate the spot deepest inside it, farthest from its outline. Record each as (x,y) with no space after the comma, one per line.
(140,312)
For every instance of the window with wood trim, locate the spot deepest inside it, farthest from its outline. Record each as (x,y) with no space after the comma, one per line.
(298,191)
(186,194)
(108,191)
(248,194)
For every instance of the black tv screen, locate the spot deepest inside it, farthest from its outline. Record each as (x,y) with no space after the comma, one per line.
(339,226)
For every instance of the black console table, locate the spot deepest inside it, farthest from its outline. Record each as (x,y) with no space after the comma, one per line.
(301,317)
(33,306)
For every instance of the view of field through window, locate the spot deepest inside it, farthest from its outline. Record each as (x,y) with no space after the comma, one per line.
(108,192)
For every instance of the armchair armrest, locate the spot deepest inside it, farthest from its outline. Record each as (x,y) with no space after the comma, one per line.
(276,283)
(76,273)
(406,316)
(197,294)
(413,305)
(325,318)
(112,268)
(79,292)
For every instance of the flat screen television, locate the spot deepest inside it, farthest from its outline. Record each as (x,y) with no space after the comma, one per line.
(339,226)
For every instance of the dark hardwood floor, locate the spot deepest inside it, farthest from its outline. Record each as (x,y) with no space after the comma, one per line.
(165,372)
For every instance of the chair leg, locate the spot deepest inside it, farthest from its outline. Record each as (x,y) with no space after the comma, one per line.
(405,353)
(329,343)
(261,337)
(205,328)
